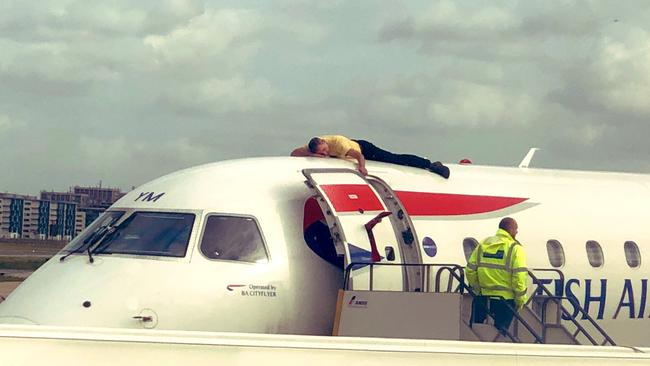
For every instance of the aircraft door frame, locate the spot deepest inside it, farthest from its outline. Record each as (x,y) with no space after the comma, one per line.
(406,235)
(350,202)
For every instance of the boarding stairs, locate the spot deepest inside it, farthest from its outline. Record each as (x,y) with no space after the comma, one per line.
(443,310)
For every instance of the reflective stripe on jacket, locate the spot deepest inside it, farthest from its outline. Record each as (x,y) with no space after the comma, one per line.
(497,267)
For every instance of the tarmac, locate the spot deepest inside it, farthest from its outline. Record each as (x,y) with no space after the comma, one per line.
(27,249)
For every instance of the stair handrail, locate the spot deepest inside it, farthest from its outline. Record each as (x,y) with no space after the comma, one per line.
(451,270)
(520,319)
(454,269)
(558,301)
(579,326)
(555,270)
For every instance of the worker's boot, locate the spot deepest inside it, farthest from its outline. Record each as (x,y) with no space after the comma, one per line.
(438,168)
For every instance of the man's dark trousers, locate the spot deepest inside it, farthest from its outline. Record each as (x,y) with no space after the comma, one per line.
(502,311)
(372,152)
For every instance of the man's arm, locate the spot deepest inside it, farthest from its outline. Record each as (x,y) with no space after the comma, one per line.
(360,160)
(471,272)
(304,151)
(519,276)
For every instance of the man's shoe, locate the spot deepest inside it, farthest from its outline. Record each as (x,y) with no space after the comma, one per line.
(438,168)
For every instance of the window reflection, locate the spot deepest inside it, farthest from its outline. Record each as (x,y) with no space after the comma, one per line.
(233,238)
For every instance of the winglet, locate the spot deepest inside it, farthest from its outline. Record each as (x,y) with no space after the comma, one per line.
(528,158)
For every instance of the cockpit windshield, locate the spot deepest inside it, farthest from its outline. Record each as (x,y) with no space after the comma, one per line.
(81,242)
(140,233)
(149,233)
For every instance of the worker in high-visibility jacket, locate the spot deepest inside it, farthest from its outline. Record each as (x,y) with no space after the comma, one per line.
(496,271)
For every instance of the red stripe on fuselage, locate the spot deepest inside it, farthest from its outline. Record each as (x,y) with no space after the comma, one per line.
(356,197)
(352,197)
(443,204)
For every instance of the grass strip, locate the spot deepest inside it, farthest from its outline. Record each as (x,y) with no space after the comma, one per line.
(26,264)
(7,278)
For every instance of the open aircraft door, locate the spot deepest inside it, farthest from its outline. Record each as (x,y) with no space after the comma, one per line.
(362,228)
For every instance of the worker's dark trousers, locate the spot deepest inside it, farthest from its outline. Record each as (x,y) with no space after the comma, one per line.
(498,309)
(372,152)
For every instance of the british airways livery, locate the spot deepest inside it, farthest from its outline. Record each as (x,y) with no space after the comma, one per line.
(308,254)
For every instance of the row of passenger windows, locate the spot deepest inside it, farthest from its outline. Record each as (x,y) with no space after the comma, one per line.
(238,238)
(556,253)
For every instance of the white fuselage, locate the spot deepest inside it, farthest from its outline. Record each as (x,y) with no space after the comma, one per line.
(293,290)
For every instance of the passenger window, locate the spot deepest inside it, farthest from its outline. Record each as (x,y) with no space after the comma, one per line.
(469,244)
(632,254)
(233,238)
(555,253)
(594,254)
(429,246)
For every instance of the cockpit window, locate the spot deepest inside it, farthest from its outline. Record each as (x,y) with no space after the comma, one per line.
(106,220)
(233,238)
(148,233)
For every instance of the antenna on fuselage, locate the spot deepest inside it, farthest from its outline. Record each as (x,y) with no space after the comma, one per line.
(528,158)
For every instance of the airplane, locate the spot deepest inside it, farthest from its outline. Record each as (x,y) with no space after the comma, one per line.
(266,245)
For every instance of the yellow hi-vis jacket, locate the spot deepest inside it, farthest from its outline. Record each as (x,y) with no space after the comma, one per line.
(497,267)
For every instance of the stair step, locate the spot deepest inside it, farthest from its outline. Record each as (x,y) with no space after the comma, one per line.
(559,335)
(488,333)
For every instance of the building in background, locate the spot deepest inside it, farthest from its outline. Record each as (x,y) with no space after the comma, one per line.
(28,217)
(79,199)
(90,200)
(98,196)
(55,215)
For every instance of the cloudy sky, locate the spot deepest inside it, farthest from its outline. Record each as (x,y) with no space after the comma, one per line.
(123,92)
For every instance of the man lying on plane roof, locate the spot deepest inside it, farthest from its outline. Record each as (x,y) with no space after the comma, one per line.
(341,147)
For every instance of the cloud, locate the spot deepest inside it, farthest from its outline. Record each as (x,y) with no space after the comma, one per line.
(216,38)
(120,149)
(604,99)
(500,22)
(75,21)
(575,72)
(473,105)
(125,91)
(623,67)
(9,125)
(442,100)
(5,123)
(447,20)
(505,31)
(60,47)
(214,96)
(114,159)
(50,62)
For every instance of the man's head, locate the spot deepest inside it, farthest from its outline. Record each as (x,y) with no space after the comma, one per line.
(318,146)
(510,225)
